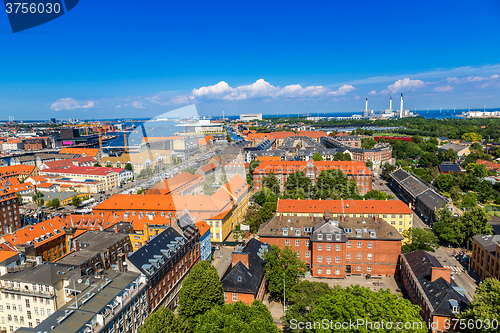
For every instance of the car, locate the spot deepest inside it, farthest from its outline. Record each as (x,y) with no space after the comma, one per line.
(381,183)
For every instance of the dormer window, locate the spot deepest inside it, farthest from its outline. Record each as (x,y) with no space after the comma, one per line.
(320,236)
(337,237)
(329,237)
(297,232)
(285,231)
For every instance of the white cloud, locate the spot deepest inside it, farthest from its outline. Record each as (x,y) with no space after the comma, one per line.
(138,105)
(71,104)
(342,91)
(446,88)
(405,84)
(373,92)
(180,100)
(262,89)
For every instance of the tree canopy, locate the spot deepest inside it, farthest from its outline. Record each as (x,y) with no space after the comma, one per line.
(76,201)
(162,321)
(419,239)
(336,185)
(282,264)
(377,195)
(317,157)
(298,186)
(272,183)
(201,290)
(237,318)
(485,306)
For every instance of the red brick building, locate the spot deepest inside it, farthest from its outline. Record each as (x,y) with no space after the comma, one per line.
(337,247)
(244,279)
(354,170)
(10,219)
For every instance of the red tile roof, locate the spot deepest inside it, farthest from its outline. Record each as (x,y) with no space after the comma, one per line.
(82,170)
(80,151)
(489,165)
(40,233)
(286,167)
(14,170)
(343,206)
(312,134)
(203,227)
(70,162)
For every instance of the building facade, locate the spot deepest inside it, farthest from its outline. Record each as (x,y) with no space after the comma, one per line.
(10,219)
(354,170)
(485,256)
(337,247)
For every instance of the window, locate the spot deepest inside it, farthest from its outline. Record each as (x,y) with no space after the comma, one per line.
(369,256)
(369,268)
(320,271)
(287,242)
(359,245)
(7,305)
(42,311)
(29,314)
(328,272)
(358,256)
(337,237)
(307,242)
(36,310)
(307,254)
(348,256)
(337,259)
(320,247)
(9,317)
(328,259)
(348,244)
(320,258)
(329,237)
(337,247)
(297,232)
(20,307)
(285,231)
(49,312)
(337,272)
(358,268)
(225,297)
(320,236)
(297,242)
(235,297)
(370,244)
(328,247)
(400,222)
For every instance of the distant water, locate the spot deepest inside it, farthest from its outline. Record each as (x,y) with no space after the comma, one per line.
(144,129)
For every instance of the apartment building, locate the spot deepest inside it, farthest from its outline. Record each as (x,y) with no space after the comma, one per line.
(30,295)
(394,212)
(355,170)
(113,302)
(20,171)
(485,256)
(10,219)
(165,260)
(336,247)
(110,176)
(429,285)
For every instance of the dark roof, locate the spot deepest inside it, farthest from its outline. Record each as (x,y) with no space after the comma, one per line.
(494,222)
(400,174)
(439,292)
(46,274)
(239,278)
(489,243)
(453,146)
(450,168)
(432,200)
(169,239)
(414,186)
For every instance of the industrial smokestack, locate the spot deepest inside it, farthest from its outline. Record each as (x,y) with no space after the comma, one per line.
(366,105)
(401,109)
(390,103)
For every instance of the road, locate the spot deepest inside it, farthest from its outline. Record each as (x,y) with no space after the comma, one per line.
(443,254)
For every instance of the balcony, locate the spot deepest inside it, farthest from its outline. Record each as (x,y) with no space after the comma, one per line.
(27,292)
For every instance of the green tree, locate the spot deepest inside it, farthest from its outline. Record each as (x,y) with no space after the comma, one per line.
(54,203)
(369,164)
(387,169)
(449,227)
(471,137)
(377,195)
(339,156)
(140,191)
(264,195)
(336,185)
(444,182)
(282,264)
(475,222)
(485,306)
(129,167)
(419,239)
(253,217)
(38,198)
(429,159)
(272,183)
(76,201)
(433,141)
(469,200)
(317,157)
(417,139)
(476,146)
(19,199)
(356,302)
(298,186)
(237,318)
(268,210)
(368,143)
(201,290)
(450,155)
(162,321)
(97,164)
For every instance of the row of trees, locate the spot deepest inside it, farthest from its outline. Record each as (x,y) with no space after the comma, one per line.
(54,203)
(202,309)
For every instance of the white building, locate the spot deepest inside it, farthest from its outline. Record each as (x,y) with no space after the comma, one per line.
(250,116)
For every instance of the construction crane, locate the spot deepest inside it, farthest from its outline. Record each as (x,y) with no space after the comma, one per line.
(125,141)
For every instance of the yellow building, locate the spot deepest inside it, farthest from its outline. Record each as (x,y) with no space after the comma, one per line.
(110,176)
(140,161)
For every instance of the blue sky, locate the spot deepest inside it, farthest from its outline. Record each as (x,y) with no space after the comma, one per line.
(106,59)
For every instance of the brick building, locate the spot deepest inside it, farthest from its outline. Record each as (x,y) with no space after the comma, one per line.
(350,140)
(20,171)
(10,219)
(394,212)
(46,239)
(429,285)
(34,144)
(381,153)
(166,260)
(354,170)
(244,279)
(484,259)
(337,247)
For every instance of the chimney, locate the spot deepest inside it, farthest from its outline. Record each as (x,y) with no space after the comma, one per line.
(238,256)
(342,218)
(121,259)
(77,246)
(401,108)
(281,217)
(247,235)
(366,105)
(146,230)
(390,103)
(327,214)
(438,272)
(116,229)
(375,218)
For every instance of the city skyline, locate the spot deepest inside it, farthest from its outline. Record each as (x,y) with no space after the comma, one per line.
(274,58)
